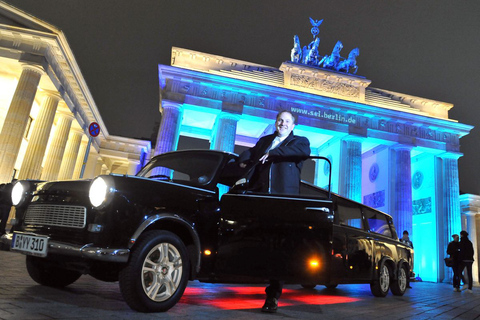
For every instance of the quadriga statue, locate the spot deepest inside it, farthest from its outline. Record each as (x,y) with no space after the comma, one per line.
(349,65)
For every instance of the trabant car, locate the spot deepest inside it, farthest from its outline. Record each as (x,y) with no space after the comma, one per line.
(188,215)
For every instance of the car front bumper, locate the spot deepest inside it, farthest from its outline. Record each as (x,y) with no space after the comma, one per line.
(87,251)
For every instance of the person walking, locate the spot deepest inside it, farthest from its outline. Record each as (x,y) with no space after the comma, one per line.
(466,258)
(453,249)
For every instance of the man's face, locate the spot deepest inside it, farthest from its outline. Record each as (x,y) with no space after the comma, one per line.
(455,239)
(284,124)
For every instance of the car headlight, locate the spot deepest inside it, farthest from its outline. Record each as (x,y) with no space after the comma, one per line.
(19,192)
(100,191)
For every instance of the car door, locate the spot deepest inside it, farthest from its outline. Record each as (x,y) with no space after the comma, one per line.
(352,245)
(381,233)
(263,235)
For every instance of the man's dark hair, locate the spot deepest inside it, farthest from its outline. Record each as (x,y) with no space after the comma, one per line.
(405,232)
(287,111)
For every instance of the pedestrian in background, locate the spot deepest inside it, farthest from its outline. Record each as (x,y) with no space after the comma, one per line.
(453,249)
(466,258)
(405,239)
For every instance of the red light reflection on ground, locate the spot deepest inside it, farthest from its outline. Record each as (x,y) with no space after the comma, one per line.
(236,298)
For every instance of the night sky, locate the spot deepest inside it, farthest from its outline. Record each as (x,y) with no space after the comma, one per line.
(425,48)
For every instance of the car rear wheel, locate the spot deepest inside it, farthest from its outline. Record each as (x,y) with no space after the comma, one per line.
(157,273)
(399,285)
(380,286)
(309,285)
(48,274)
(331,286)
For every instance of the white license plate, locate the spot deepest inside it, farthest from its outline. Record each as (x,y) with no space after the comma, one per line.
(34,245)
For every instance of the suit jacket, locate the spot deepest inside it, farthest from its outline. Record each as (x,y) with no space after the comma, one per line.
(281,173)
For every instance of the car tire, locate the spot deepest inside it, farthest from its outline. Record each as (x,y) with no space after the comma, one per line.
(309,286)
(48,274)
(331,286)
(380,286)
(157,273)
(399,285)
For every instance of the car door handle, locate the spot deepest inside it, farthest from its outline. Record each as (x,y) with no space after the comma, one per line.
(323,209)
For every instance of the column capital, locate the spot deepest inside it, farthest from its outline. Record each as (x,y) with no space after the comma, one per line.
(450,155)
(355,138)
(51,94)
(400,146)
(33,67)
(77,130)
(167,104)
(228,116)
(65,114)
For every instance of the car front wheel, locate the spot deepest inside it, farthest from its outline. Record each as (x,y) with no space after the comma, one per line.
(157,273)
(380,286)
(399,285)
(48,274)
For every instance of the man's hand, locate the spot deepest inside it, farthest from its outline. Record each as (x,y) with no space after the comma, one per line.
(264,158)
(242,165)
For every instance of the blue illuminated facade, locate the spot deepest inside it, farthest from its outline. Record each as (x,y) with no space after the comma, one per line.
(392,151)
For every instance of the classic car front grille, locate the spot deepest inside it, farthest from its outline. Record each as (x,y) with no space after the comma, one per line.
(56,215)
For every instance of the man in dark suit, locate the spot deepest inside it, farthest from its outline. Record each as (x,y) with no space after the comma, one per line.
(279,159)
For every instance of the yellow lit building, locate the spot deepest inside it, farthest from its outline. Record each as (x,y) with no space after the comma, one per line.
(46,109)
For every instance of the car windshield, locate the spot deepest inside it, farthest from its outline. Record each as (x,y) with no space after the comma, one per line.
(196,169)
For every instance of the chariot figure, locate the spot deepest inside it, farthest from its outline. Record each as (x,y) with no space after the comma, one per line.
(331,61)
(306,50)
(296,55)
(350,63)
(312,56)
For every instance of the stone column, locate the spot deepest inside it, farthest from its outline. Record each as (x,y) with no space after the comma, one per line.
(105,170)
(470,215)
(80,158)
(70,155)
(133,167)
(169,131)
(57,147)
(401,177)
(450,198)
(350,185)
(32,162)
(322,171)
(472,234)
(17,118)
(225,129)
(98,166)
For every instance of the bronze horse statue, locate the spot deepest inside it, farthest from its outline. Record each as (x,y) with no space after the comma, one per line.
(331,61)
(350,62)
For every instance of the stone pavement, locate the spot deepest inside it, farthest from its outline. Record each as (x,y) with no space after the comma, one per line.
(21,298)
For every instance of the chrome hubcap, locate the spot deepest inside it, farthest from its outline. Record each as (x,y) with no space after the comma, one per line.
(162,272)
(402,279)
(384,279)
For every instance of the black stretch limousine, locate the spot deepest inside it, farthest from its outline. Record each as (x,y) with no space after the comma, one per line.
(169,224)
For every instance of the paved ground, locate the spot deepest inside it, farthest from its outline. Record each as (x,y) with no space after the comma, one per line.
(21,298)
